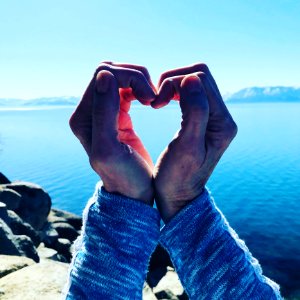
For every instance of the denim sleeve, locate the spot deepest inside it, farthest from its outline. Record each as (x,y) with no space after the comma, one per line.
(112,254)
(211,261)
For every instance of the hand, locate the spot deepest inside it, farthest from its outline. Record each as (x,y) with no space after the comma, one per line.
(207,129)
(102,124)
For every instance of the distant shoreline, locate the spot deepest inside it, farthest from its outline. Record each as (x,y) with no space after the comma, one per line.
(135,105)
(274,94)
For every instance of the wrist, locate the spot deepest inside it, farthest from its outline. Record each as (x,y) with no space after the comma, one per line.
(171,203)
(144,195)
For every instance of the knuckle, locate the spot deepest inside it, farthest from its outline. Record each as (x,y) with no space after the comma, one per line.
(224,133)
(163,76)
(201,67)
(107,62)
(73,123)
(167,82)
(102,67)
(139,74)
(145,72)
(201,75)
(229,130)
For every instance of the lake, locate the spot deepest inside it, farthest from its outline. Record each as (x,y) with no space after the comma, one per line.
(256,184)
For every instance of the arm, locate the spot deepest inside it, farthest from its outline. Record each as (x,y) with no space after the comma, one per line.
(112,255)
(121,229)
(211,261)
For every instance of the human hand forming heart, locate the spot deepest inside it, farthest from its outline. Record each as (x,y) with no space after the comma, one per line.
(103,125)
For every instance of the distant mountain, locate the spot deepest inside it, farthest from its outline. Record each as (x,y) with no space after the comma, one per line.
(46,101)
(265,94)
(247,95)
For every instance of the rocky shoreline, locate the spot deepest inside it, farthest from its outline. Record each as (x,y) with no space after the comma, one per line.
(36,248)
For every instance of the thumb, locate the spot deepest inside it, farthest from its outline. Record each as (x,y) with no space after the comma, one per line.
(194,105)
(106,105)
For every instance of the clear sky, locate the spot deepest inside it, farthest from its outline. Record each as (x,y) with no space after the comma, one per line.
(51,48)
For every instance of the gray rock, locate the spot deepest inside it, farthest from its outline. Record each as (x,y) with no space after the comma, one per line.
(9,264)
(63,247)
(3,212)
(72,219)
(18,245)
(66,231)
(11,198)
(26,247)
(169,284)
(19,227)
(147,293)
(35,203)
(48,253)
(167,294)
(7,245)
(4,179)
(54,219)
(49,235)
(39,281)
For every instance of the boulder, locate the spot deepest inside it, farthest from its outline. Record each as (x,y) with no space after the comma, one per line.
(49,235)
(35,203)
(48,253)
(11,198)
(19,227)
(3,212)
(18,245)
(63,247)
(72,219)
(54,219)
(167,294)
(7,245)
(4,179)
(38,281)
(9,264)
(26,247)
(66,231)
(169,284)
(147,293)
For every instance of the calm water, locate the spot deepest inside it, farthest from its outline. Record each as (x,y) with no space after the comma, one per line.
(256,184)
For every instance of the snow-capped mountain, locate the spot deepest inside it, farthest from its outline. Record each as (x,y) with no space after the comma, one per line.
(45,101)
(265,94)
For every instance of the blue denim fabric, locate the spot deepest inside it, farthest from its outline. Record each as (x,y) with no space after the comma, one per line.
(112,255)
(210,259)
(119,235)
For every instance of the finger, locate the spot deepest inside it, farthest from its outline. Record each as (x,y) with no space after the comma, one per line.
(209,83)
(105,113)
(194,106)
(131,78)
(81,119)
(134,67)
(199,67)
(217,106)
(127,94)
(126,133)
(169,89)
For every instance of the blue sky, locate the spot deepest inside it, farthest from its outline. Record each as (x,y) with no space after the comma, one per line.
(51,48)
